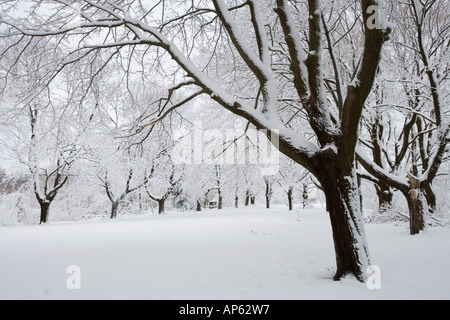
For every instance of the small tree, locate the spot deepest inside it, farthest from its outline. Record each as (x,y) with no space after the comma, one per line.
(161,183)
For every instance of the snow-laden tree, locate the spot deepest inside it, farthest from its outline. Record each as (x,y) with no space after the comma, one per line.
(120,164)
(254,36)
(410,144)
(41,129)
(163,179)
(121,175)
(291,180)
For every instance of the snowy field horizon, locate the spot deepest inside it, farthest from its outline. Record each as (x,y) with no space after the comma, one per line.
(249,253)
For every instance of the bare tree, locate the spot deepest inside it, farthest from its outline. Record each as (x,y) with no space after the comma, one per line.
(117,198)
(290,179)
(46,184)
(163,178)
(37,119)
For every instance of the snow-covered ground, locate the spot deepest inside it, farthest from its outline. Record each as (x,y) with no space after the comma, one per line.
(249,253)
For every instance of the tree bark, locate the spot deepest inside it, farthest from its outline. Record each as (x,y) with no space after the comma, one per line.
(268,194)
(161,205)
(415,205)
(247,198)
(305,196)
(45,210)
(430,196)
(339,186)
(414,197)
(114,209)
(290,200)
(236,201)
(220,200)
(199,206)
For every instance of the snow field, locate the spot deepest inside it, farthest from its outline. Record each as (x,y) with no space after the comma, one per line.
(248,253)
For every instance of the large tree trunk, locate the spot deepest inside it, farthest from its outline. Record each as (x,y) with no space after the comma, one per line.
(431,198)
(45,210)
(290,200)
(352,255)
(415,199)
(161,205)
(114,209)
(199,206)
(385,195)
(247,198)
(415,206)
